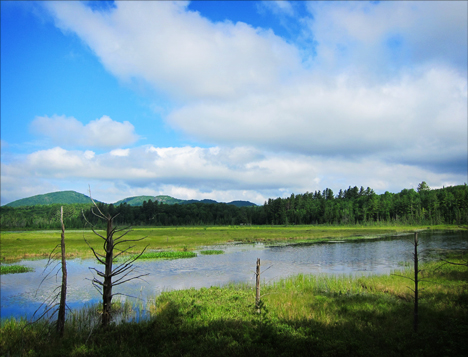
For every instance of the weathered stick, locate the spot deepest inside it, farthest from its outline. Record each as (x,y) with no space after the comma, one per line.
(257,295)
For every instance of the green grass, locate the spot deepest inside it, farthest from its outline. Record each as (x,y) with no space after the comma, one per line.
(33,244)
(167,255)
(211,252)
(14,269)
(304,315)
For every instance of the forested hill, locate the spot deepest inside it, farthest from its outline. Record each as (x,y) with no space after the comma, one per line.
(354,205)
(72,197)
(60,197)
(138,200)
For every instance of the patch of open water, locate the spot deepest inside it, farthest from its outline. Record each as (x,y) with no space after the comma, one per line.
(21,294)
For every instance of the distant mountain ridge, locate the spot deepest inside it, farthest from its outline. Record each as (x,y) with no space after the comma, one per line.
(138,201)
(72,197)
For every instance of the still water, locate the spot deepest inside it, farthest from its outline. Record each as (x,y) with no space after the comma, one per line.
(21,294)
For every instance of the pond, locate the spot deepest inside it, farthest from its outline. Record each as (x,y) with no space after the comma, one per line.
(21,294)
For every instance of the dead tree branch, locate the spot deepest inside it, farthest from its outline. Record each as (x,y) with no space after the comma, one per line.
(112,276)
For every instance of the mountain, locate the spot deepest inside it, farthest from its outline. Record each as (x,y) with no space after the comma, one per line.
(199,201)
(242,203)
(60,197)
(71,197)
(134,201)
(138,201)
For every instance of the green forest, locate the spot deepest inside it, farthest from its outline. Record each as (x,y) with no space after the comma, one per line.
(448,205)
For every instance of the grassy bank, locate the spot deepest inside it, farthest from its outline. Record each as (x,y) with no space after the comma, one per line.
(34,244)
(301,315)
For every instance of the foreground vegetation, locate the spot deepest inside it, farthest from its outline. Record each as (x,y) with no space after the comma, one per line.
(39,244)
(301,315)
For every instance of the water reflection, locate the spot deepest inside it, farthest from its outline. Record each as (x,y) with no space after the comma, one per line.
(21,295)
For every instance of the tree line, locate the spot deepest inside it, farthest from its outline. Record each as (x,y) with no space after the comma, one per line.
(448,205)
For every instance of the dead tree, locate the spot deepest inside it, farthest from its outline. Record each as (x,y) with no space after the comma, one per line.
(111,276)
(416,280)
(52,268)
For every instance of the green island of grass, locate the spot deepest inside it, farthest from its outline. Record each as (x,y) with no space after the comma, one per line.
(211,252)
(14,269)
(167,255)
(303,315)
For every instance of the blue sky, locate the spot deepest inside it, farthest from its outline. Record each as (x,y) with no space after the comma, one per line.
(231,100)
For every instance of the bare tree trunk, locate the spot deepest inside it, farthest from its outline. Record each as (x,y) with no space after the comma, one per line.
(63,292)
(257,294)
(107,287)
(112,276)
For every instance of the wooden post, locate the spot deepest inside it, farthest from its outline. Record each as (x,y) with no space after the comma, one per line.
(257,295)
(63,292)
(416,297)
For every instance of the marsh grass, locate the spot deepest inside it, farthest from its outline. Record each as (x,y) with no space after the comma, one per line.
(211,252)
(304,315)
(14,269)
(167,255)
(33,244)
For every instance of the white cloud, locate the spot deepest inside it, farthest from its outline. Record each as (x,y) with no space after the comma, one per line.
(377,39)
(192,172)
(120,152)
(280,7)
(100,133)
(343,118)
(381,101)
(245,86)
(88,154)
(178,50)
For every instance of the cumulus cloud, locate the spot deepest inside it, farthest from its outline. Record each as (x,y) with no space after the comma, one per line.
(377,39)
(379,99)
(217,173)
(416,117)
(100,133)
(178,50)
(246,86)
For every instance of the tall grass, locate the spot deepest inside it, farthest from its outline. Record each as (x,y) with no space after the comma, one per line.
(301,315)
(27,245)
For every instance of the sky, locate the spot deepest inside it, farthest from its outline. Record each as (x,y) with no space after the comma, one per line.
(231,100)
